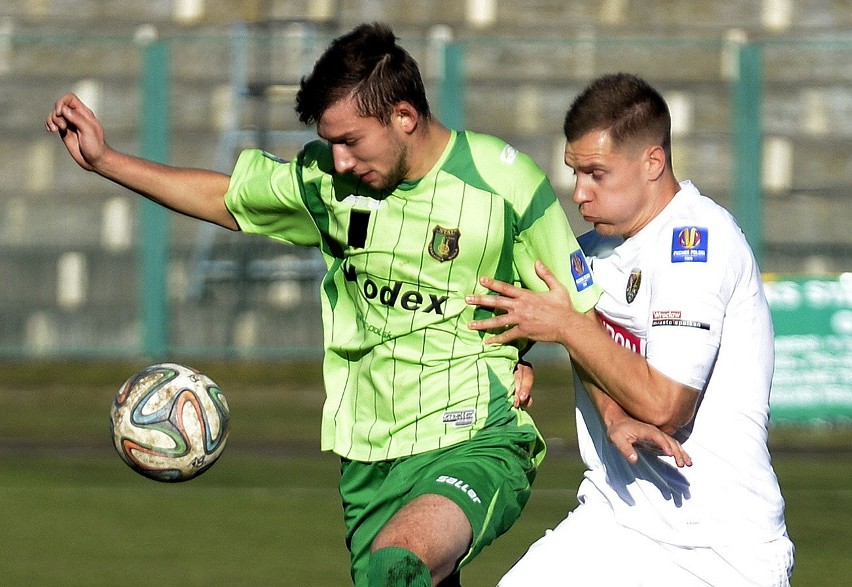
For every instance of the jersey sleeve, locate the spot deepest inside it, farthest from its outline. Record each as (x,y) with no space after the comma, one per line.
(265,196)
(544,234)
(541,228)
(689,300)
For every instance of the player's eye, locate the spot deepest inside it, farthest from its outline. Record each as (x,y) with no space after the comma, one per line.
(347,142)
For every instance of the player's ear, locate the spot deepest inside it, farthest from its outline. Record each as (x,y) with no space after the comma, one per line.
(655,161)
(405,117)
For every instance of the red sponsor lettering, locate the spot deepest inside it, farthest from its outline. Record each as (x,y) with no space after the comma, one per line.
(621,335)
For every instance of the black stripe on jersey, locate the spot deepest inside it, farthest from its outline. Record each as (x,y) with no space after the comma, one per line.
(358,222)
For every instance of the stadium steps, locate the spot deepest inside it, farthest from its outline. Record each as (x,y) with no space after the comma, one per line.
(50,210)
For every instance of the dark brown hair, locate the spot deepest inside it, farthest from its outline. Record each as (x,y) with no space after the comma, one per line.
(625,105)
(368,63)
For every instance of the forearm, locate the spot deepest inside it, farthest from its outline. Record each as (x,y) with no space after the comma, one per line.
(644,393)
(626,377)
(607,407)
(194,192)
(628,434)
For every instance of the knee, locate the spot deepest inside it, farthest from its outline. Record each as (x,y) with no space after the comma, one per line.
(432,529)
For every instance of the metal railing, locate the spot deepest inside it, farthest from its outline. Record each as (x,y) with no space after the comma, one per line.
(765,124)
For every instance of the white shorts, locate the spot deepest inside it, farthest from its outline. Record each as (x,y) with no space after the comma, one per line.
(589,548)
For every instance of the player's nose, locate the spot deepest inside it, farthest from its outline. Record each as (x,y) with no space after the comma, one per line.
(582,193)
(343,159)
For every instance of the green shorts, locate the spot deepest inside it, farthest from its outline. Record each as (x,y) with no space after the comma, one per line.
(488,477)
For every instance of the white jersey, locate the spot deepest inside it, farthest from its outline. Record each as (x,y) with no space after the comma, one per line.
(685,292)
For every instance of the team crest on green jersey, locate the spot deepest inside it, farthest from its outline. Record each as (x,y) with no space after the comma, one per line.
(445,243)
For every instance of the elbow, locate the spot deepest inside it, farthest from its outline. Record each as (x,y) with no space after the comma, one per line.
(674,414)
(670,405)
(671,427)
(224,222)
(663,418)
(229,221)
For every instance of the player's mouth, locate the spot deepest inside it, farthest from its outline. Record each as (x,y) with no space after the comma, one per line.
(583,209)
(371,178)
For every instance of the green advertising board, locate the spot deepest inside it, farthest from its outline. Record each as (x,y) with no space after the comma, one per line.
(813,348)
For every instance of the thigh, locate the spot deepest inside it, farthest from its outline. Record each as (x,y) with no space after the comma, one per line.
(590,548)
(365,509)
(381,508)
(582,550)
(432,527)
(486,479)
(768,564)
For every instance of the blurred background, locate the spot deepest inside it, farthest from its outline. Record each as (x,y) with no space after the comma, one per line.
(95,282)
(760,94)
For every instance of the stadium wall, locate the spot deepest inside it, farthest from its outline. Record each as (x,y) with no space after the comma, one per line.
(72,244)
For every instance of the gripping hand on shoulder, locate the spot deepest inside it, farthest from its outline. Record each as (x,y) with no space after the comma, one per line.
(80,130)
(522,313)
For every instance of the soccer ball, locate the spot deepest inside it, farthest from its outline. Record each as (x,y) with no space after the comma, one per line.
(169,422)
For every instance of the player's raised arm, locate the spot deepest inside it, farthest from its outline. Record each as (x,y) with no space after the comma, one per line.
(194,192)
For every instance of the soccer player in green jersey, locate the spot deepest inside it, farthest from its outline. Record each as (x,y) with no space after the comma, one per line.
(437,459)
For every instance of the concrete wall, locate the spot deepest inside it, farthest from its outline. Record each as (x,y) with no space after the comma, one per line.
(69,270)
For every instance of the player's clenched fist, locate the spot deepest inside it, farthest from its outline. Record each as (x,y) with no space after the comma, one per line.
(79,129)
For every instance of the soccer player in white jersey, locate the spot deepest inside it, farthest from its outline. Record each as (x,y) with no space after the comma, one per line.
(436,457)
(683,341)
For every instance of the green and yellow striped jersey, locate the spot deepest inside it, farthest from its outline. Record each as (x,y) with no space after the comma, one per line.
(403,373)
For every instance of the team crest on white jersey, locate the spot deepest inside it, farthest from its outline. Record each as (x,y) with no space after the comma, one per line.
(444,245)
(633,283)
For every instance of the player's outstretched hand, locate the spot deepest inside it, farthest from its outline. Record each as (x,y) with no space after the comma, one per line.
(526,314)
(79,129)
(629,434)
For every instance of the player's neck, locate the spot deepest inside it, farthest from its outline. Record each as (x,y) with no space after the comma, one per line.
(427,146)
(660,194)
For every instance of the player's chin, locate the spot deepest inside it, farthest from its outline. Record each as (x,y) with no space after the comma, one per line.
(374,180)
(604,228)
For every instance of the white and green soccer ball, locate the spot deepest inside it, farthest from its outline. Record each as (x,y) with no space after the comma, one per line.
(169,422)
